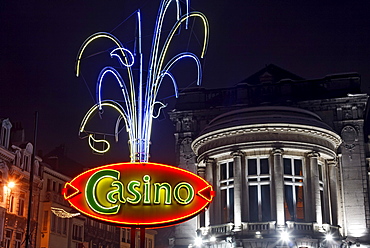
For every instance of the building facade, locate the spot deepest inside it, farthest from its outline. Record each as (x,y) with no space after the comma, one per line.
(286,156)
(53,224)
(15,168)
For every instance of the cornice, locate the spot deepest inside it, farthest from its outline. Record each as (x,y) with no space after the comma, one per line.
(6,154)
(297,129)
(56,174)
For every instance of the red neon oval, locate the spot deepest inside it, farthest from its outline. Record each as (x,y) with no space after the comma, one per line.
(143,214)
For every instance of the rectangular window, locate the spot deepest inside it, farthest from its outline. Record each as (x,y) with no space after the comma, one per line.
(45,222)
(77,232)
(53,222)
(227,191)
(11,203)
(18,240)
(64,226)
(123,235)
(8,238)
(21,204)
(293,189)
(258,178)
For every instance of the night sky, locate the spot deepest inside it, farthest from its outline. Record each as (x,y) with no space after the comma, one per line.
(40,40)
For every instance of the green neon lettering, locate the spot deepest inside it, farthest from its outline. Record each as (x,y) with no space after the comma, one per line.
(157,193)
(91,192)
(112,198)
(188,188)
(131,188)
(146,179)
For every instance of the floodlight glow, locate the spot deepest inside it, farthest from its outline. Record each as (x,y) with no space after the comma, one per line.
(11,185)
(138,106)
(198,241)
(284,236)
(329,237)
(212,239)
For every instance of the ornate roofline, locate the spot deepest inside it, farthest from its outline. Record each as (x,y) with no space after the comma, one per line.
(330,136)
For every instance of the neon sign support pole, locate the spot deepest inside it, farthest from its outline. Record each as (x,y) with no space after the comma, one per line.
(30,208)
(138,110)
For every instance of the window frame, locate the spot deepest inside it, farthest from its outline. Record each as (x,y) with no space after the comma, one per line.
(258,180)
(293,181)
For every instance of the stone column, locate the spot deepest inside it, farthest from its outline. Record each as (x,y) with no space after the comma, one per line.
(237,155)
(209,214)
(279,187)
(314,169)
(201,170)
(334,190)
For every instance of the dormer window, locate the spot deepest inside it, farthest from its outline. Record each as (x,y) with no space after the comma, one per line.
(5,133)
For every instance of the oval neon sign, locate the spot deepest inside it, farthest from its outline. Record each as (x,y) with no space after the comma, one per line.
(139,194)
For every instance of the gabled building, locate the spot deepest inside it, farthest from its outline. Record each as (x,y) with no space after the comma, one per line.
(15,168)
(288,158)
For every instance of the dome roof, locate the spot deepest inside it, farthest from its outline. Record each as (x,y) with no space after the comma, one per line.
(265,115)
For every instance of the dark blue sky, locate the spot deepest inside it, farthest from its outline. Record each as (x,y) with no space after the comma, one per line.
(40,40)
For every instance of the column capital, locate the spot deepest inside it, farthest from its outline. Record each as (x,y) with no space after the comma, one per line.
(332,162)
(313,154)
(237,153)
(277,151)
(208,160)
(201,169)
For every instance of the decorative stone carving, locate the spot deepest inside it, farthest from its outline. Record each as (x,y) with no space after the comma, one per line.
(185,148)
(349,135)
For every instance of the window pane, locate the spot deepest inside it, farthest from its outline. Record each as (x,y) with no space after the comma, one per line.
(231,204)
(266,204)
(252,166)
(231,169)
(253,203)
(288,202)
(287,166)
(223,171)
(298,167)
(320,172)
(264,163)
(300,202)
(224,213)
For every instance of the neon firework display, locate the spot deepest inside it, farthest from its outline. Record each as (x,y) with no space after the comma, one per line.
(137,110)
(139,194)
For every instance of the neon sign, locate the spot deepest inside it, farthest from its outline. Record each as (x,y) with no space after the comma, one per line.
(138,96)
(139,194)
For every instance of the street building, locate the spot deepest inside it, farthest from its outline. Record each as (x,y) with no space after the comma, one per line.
(288,158)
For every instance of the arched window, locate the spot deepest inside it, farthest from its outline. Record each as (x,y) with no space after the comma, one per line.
(5,133)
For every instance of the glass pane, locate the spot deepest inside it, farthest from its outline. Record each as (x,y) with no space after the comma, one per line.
(231,204)
(252,166)
(298,167)
(223,171)
(266,204)
(231,169)
(322,205)
(320,172)
(288,202)
(224,213)
(299,202)
(253,204)
(287,166)
(264,163)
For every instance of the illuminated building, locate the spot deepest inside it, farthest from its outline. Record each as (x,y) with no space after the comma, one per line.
(54,223)
(286,156)
(15,164)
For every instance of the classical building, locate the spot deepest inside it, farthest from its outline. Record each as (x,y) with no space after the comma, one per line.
(286,156)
